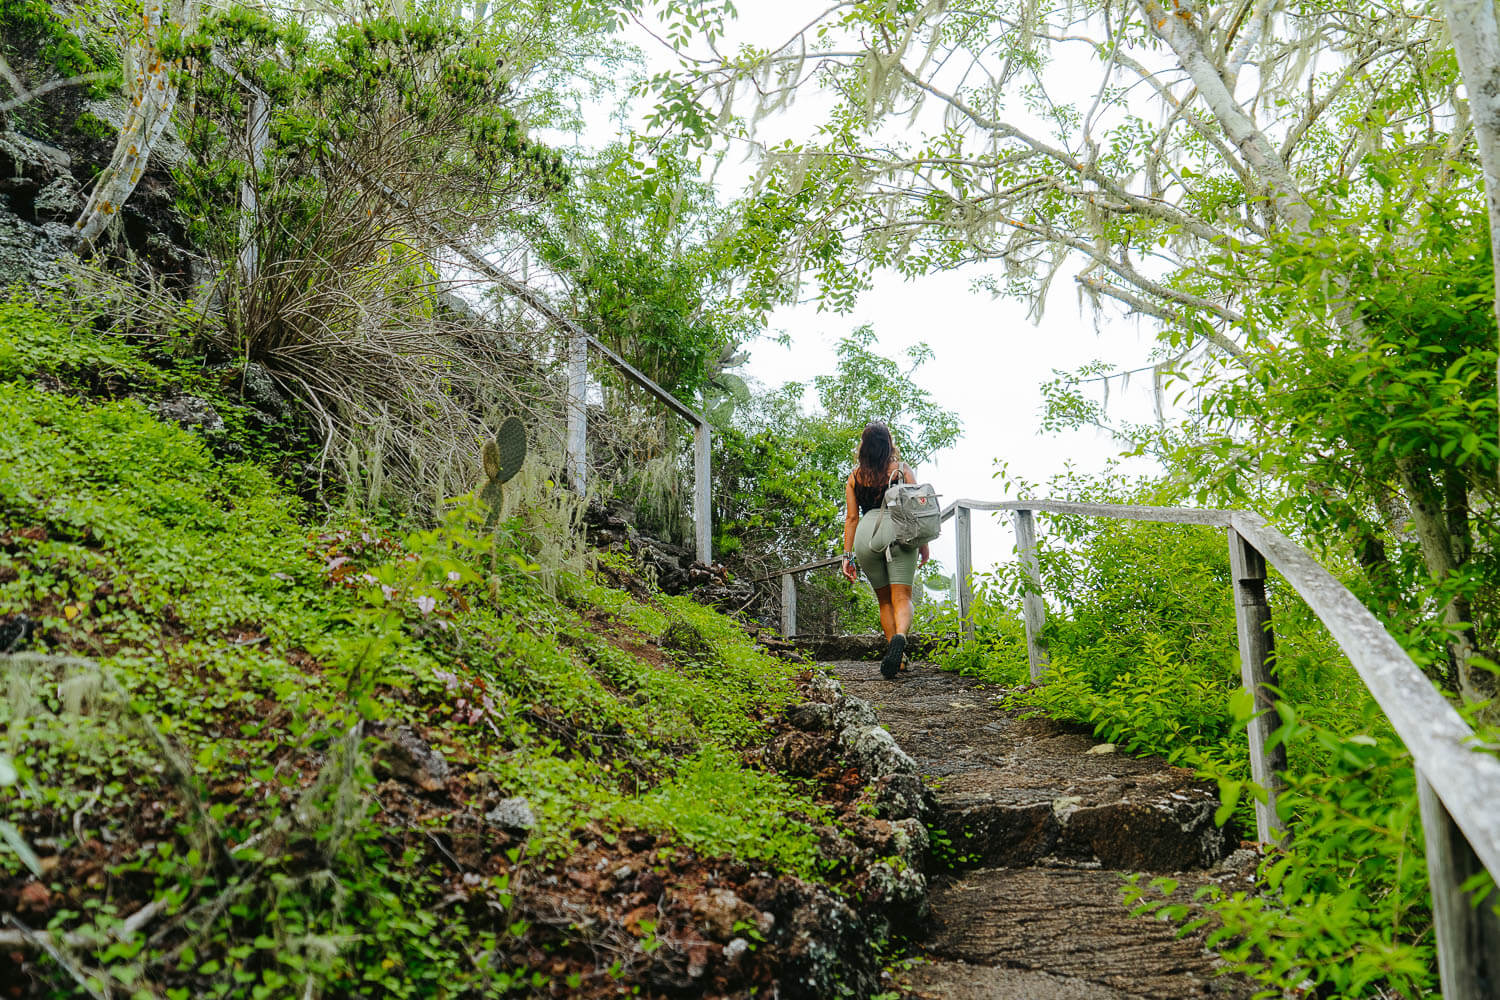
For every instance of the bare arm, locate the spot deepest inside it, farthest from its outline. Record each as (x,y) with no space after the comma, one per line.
(851,514)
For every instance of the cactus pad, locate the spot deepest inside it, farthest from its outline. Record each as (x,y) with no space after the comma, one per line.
(502,460)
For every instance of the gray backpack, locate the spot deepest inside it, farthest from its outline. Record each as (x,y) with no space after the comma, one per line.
(911,517)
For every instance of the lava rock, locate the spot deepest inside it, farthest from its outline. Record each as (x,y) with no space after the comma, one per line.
(28,164)
(812,716)
(673,568)
(875,752)
(1162,835)
(15,632)
(58,199)
(903,796)
(258,388)
(407,757)
(825,689)
(802,755)
(721,914)
(993,832)
(899,895)
(30,255)
(911,843)
(190,412)
(516,814)
(853,713)
(824,951)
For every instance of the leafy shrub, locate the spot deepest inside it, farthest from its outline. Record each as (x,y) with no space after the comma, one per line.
(381,132)
(33,342)
(997,651)
(1347,906)
(36,24)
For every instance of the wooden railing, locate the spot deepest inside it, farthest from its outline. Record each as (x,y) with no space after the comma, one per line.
(1458,783)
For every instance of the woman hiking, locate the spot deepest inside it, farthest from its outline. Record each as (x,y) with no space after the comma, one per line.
(880,467)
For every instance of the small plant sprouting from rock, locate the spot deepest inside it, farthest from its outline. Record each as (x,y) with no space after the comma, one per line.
(502,460)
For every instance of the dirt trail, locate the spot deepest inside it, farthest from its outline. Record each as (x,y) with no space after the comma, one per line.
(1044,828)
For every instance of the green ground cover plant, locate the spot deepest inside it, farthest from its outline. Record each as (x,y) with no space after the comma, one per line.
(64,45)
(1142,642)
(199,644)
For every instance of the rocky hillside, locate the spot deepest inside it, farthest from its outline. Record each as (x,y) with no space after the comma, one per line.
(255,748)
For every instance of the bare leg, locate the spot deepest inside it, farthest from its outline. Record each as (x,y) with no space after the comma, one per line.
(895,621)
(901,609)
(887,611)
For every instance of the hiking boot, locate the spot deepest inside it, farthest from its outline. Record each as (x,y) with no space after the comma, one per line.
(891,665)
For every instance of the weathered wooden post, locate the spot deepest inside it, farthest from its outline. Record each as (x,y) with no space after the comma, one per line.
(703,498)
(1252,614)
(963,543)
(1033,608)
(257,138)
(788,605)
(578,414)
(1468,936)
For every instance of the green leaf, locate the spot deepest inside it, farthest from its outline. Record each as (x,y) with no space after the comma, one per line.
(1229,798)
(17,843)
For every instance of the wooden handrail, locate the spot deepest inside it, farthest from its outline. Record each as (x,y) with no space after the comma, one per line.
(1458,782)
(816,564)
(1465,777)
(1129,512)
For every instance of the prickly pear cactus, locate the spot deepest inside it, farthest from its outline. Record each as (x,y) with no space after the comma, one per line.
(502,460)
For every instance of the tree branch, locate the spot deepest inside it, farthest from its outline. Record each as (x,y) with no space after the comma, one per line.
(1161,312)
(1176,29)
(48,87)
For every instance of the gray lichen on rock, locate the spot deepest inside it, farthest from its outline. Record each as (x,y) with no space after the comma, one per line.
(512,814)
(29,255)
(190,413)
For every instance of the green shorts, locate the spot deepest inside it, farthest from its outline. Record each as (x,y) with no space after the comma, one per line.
(901,568)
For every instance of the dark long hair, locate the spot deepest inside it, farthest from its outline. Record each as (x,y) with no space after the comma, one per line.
(875,451)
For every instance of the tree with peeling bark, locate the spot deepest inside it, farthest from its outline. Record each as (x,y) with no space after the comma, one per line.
(1169,158)
(1475,29)
(152,87)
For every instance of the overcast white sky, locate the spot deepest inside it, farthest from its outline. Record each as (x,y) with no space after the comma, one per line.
(990,362)
(990,359)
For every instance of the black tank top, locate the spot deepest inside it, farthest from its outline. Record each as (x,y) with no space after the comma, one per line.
(870,497)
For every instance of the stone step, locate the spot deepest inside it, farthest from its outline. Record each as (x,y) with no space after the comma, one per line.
(1073,928)
(1014,788)
(1169,832)
(1041,823)
(952,980)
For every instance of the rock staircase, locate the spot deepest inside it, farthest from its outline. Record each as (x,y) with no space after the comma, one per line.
(1043,828)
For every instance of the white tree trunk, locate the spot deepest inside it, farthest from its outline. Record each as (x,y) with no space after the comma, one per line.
(1176,28)
(1476,41)
(153,95)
